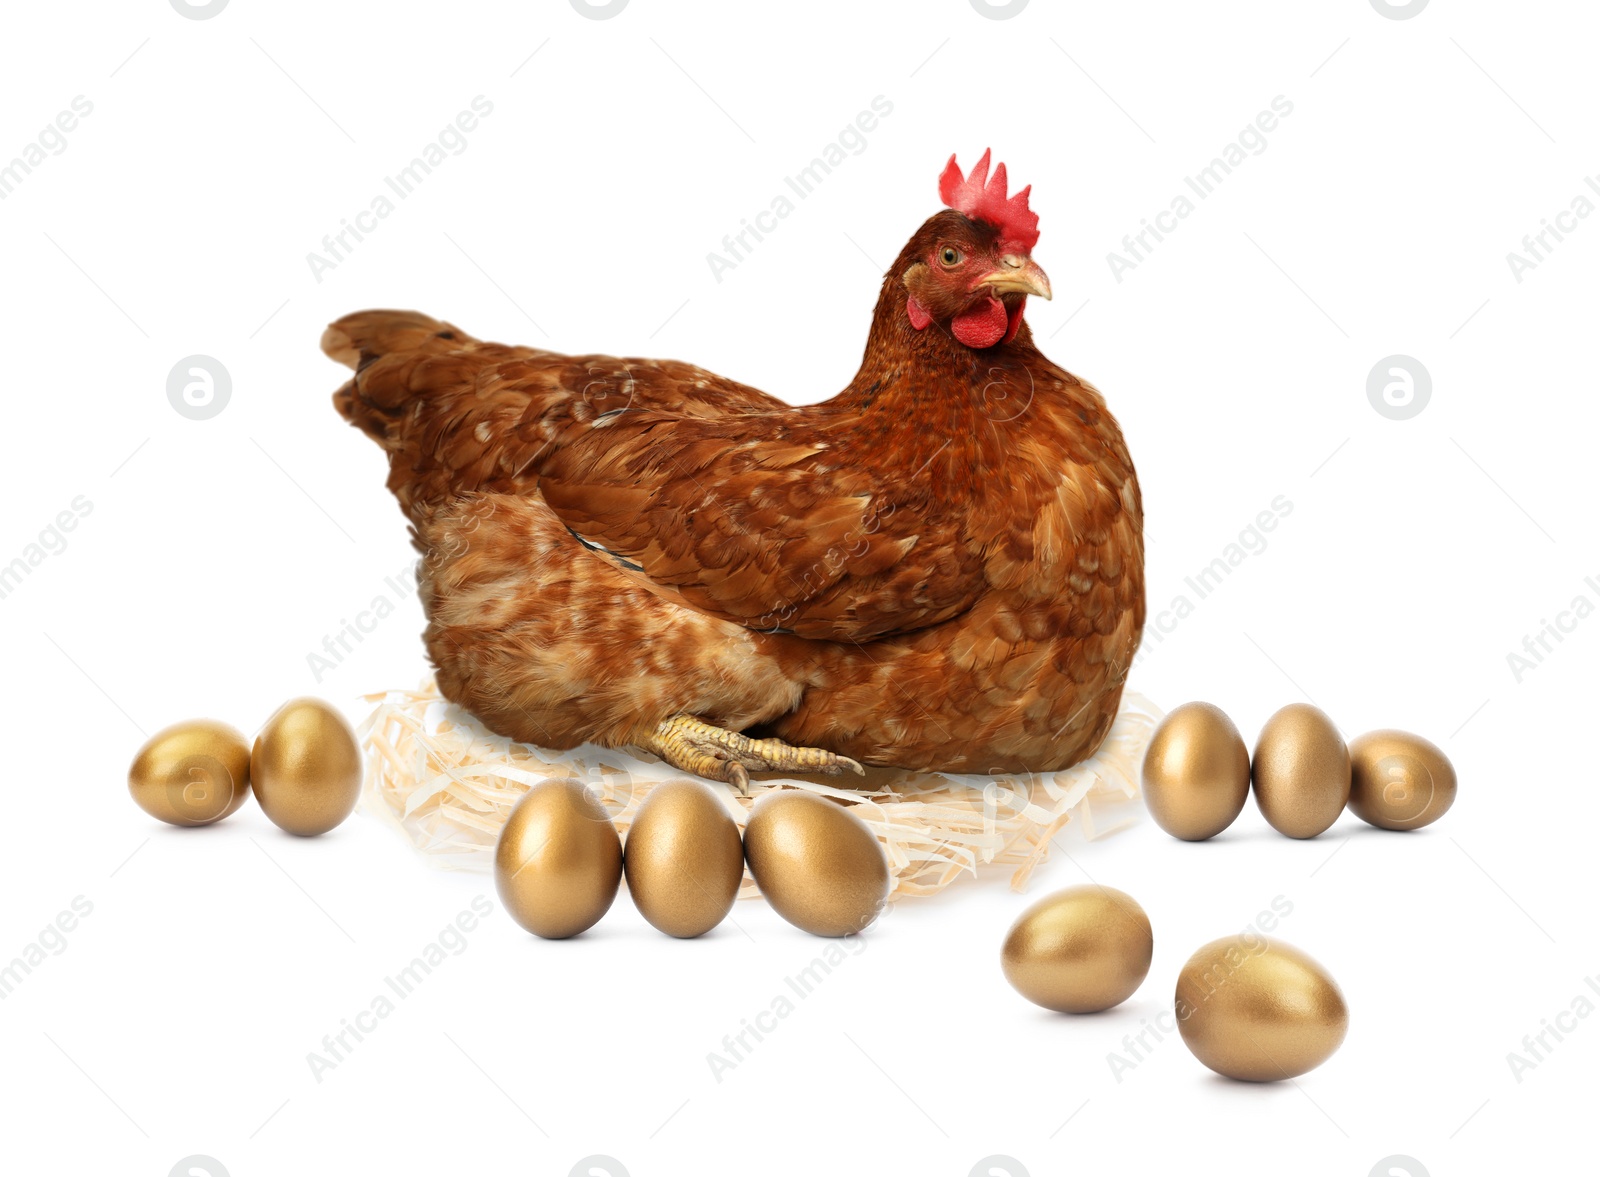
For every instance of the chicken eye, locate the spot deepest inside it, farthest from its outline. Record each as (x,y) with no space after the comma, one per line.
(950,255)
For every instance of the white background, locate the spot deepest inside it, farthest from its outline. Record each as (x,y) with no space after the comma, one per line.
(219,553)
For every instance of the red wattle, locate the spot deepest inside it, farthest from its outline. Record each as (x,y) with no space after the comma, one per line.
(919,317)
(983,326)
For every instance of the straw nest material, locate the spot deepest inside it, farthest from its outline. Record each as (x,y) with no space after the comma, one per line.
(448,784)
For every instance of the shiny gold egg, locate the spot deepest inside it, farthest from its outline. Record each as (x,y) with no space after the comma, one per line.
(818,864)
(1258,1009)
(1196,772)
(191,774)
(1301,771)
(683,859)
(306,767)
(1399,781)
(558,863)
(1079,951)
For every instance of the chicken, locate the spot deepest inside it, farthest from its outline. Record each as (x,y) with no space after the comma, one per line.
(941,567)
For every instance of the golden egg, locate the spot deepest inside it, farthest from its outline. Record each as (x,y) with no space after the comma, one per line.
(306,767)
(1399,781)
(1258,1009)
(191,774)
(1196,772)
(558,863)
(1080,950)
(818,864)
(684,859)
(1301,771)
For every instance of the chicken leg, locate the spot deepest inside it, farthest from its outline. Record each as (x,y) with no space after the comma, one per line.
(707,750)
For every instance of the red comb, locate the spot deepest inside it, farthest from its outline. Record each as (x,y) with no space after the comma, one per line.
(983,198)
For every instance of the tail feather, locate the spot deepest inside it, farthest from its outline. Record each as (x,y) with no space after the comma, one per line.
(359,338)
(362,339)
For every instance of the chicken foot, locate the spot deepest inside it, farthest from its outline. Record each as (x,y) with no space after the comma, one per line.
(707,750)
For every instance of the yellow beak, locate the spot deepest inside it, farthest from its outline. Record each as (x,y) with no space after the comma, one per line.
(1017,274)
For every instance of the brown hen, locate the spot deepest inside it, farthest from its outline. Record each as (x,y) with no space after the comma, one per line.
(940,568)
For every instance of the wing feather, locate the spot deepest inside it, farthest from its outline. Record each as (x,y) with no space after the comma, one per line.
(756,520)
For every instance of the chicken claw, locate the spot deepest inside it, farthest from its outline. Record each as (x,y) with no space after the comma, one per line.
(707,750)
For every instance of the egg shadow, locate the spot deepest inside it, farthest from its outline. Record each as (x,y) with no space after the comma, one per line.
(1217,1082)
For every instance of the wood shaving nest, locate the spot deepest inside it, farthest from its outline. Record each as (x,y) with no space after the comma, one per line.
(448,784)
